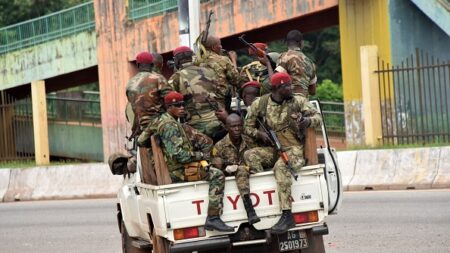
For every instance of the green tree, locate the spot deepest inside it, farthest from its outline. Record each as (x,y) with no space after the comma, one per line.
(329,91)
(15,11)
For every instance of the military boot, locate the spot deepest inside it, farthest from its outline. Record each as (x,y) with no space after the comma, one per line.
(215,223)
(251,214)
(285,223)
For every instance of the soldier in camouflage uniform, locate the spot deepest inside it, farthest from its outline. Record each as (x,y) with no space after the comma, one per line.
(225,69)
(298,65)
(259,70)
(179,152)
(285,114)
(228,155)
(144,92)
(199,87)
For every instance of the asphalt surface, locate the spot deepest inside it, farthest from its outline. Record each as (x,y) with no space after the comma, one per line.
(391,221)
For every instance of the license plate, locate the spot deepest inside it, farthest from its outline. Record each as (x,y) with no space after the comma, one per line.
(292,240)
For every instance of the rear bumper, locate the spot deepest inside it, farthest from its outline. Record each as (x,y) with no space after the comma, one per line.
(216,243)
(224,242)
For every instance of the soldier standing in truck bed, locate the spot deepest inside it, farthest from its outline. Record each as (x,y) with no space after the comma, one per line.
(259,70)
(199,87)
(298,65)
(144,91)
(225,69)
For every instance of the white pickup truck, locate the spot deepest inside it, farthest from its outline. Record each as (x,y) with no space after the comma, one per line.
(170,218)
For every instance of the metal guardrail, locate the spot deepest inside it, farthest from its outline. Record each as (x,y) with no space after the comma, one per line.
(56,25)
(148,8)
(334,117)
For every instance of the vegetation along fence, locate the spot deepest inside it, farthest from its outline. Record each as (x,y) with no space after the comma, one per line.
(414,100)
(334,118)
(56,25)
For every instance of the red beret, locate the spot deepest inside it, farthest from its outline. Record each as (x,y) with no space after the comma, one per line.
(251,84)
(144,57)
(173,97)
(280,78)
(261,46)
(181,49)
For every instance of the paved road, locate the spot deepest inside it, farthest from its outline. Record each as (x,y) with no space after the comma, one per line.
(394,221)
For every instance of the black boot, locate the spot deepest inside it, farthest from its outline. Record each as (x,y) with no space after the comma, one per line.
(251,214)
(215,223)
(285,223)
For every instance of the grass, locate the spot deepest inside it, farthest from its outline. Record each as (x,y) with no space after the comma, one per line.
(22,164)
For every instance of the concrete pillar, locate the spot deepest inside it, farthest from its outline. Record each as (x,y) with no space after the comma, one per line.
(370,95)
(40,125)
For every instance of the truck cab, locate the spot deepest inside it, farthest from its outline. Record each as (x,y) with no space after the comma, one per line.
(170,217)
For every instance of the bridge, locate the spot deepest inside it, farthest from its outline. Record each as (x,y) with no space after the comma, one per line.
(97,42)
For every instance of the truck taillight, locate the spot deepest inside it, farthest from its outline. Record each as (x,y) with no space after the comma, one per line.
(186,233)
(306,217)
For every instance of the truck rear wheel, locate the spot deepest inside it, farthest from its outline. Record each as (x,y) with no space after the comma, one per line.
(126,242)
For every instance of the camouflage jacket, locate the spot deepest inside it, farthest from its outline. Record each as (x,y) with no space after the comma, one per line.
(225,153)
(197,84)
(280,118)
(227,75)
(256,71)
(144,92)
(300,67)
(181,144)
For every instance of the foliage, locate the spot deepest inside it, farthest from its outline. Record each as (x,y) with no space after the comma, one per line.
(15,11)
(329,91)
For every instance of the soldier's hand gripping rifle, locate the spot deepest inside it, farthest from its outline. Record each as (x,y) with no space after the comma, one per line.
(281,152)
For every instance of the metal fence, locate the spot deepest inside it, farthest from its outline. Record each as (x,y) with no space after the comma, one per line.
(56,25)
(148,8)
(81,110)
(16,128)
(414,100)
(334,118)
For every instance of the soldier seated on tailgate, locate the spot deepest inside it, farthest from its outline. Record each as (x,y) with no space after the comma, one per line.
(199,87)
(186,153)
(260,69)
(228,155)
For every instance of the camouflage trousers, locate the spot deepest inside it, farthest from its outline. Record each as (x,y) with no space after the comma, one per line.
(216,180)
(207,123)
(265,157)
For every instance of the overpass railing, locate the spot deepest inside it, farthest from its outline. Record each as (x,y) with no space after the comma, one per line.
(56,25)
(148,8)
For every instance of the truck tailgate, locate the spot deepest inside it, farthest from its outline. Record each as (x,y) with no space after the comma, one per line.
(186,204)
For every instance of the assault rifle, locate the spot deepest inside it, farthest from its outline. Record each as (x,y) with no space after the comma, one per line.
(258,52)
(281,152)
(208,23)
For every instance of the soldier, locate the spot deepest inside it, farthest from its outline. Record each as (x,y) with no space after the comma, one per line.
(259,70)
(199,88)
(298,65)
(158,62)
(250,92)
(228,155)
(179,152)
(225,69)
(288,116)
(143,93)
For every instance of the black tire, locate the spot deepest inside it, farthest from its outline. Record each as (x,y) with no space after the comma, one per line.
(126,242)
